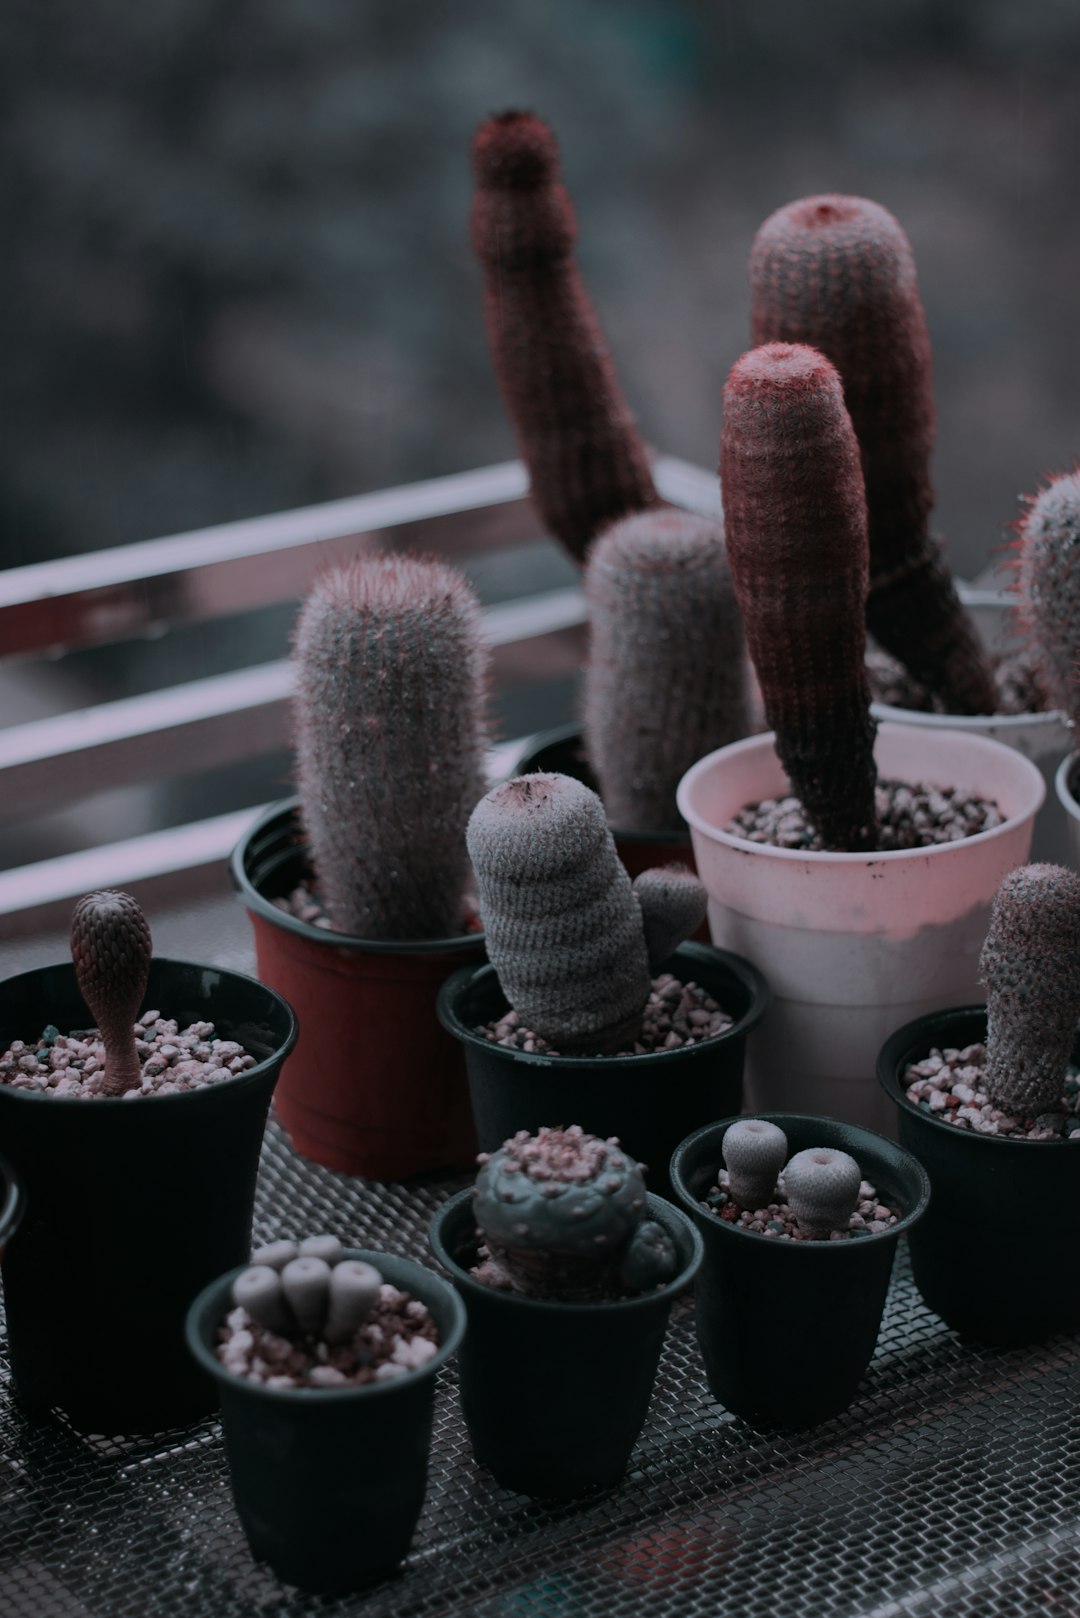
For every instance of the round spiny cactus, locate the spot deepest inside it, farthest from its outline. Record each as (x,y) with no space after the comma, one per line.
(821,1186)
(1047,568)
(111,949)
(754,1153)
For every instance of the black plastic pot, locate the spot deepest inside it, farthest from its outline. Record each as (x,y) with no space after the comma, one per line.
(329,1482)
(996,1255)
(132,1206)
(650,1102)
(12,1203)
(555,1394)
(787,1329)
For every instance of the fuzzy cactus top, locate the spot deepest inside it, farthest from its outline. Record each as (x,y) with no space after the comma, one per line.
(822,1189)
(1047,567)
(665,681)
(754,1152)
(838,274)
(111,949)
(389,721)
(795,521)
(1030,965)
(586,461)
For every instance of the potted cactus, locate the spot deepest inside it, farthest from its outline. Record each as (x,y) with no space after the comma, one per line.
(800,1218)
(390,731)
(568,1269)
(144,1135)
(985,1101)
(325,1361)
(586,1010)
(852,924)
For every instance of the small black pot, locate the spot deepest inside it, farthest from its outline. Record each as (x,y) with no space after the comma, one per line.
(787,1329)
(996,1255)
(132,1206)
(555,1394)
(650,1102)
(329,1482)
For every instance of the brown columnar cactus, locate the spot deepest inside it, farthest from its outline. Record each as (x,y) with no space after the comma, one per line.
(838,274)
(587,463)
(795,523)
(390,735)
(821,1186)
(1047,569)
(665,681)
(1030,965)
(111,948)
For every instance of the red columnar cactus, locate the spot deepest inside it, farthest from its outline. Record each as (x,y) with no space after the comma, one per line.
(795,521)
(838,274)
(577,437)
(111,948)
(1048,586)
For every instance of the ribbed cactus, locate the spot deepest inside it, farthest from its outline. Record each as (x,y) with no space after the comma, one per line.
(665,681)
(111,949)
(587,463)
(1030,965)
(795,522)
(308,1290)
(562,1212)
(822,1189)
(1048,587)
(390,734)
(564,926)
(837,273)
(754,1153)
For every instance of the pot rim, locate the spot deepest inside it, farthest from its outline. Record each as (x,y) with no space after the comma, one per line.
(254,901)
(913,1214)
(304,1397)
(716,834)
(746,971)
(669,1291)
(1061,787)
(13,1205)
(571,731)
(183,1098)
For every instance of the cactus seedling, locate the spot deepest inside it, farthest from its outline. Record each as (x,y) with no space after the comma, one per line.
(754,1153)
(586,461)
(1030,965)
(795,519)
(1048,586)
(838,274)
(822,1189)
(111,948)
(292,1291)
(390,734)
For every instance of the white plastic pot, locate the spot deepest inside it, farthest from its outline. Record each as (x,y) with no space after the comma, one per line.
(1045,738)
(853,945)
(1069,804)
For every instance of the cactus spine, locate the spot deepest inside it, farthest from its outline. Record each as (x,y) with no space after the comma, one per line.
(390,733)
(795,520)
(838,274)
(111,949)
(1048,586)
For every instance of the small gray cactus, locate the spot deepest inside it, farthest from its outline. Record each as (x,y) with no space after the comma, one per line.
(111,949)
(821,1185)
(665,682)
(561,1213)
(565,928)
(390,737)
(1030,965)
(673,903)
(308,1289)
(1048,586)
(754,1153)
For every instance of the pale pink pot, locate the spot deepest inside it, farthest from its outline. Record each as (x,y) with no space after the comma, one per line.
(1071,808)
(853,945)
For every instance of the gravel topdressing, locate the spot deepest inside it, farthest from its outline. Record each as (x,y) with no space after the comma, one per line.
(949,1084)
(909,816)
(1019,689)
(173,1060)
(777,1222)
(676,1014)
(398,1336)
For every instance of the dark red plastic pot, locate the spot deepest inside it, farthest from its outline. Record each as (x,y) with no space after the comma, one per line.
(375,1087)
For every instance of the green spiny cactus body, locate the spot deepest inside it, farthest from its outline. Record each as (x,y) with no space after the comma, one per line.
(822,1189)
(1030,965)
(1048,587)
(838,274)
(390,735)
(754,1153)
(673,903)
(795,521)
(665,681)
(586,461)
(111,949)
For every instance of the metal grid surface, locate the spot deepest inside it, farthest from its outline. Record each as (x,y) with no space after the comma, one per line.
(950,1488)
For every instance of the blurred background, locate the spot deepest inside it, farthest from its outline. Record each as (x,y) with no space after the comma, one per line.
(237,276)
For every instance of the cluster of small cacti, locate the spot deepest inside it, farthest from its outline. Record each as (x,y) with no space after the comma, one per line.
(111,949)
(1047,577)
(307,1289)
(562,1215)
(820,1184)
(573,941)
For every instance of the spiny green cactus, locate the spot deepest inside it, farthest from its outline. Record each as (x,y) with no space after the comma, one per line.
(665,681)
(754,1153)
(1047,579)
(564,926)
(111,949)
(822,1189)
(390,735)
(1030,965)
(306,1295)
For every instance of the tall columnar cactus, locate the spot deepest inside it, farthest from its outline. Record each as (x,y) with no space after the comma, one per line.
(111,948)
(1048,586)
(665,681)
(822,1189)
(562,1214)
(754,1153)
(1030,965)
(390,734)
(586,461)
(838,274)
(795,521)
